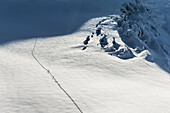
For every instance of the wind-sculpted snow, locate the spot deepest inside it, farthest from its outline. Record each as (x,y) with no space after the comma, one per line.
(98,82)
(135,32)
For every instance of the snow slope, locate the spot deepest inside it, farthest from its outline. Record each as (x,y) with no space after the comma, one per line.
(136,31)
(98,82)
(161,8)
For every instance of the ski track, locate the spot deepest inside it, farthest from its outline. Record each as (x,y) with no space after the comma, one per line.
(98,82)
(49,72)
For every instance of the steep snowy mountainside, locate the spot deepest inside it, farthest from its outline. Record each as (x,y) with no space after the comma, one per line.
(161,8)
(136,31)
(98,82)
(122,82)
(26,19)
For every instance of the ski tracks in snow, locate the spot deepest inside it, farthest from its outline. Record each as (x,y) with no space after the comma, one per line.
(55,80)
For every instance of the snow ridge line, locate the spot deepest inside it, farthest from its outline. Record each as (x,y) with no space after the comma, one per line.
(55,80)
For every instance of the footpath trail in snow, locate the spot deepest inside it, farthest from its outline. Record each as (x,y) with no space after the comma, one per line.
(55,80)
(98,82)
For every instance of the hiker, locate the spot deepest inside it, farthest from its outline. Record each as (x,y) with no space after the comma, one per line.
(98,31)
(113,42)
(87,40)
(103,41)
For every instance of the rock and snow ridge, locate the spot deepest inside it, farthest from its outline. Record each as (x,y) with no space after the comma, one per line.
(134,32)
(99,83)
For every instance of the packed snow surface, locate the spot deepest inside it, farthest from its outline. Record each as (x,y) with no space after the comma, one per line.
(98,82)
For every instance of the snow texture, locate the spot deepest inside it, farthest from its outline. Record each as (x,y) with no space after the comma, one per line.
(134,32)
(123,82)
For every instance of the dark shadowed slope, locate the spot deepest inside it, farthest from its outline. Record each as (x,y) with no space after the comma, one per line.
(23,19)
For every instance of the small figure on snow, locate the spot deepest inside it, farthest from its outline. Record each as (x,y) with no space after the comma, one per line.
(87,40)
(98,31)
(103,41)
(113,42)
